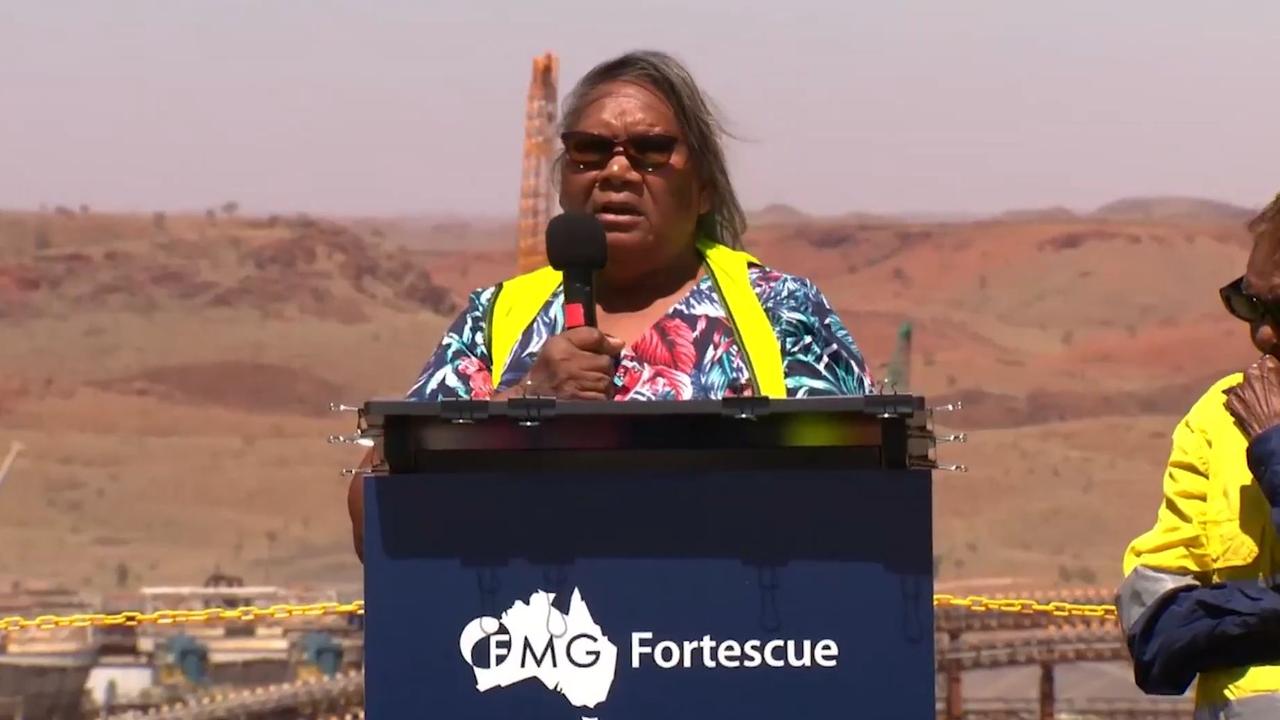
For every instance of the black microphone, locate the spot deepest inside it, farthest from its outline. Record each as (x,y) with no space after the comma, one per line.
(576,246)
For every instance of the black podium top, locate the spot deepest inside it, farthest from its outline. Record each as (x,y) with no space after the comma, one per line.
(874,431)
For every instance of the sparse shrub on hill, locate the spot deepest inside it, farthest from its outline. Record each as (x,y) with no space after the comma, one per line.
(420,290)
(1074,240)
(907,237)
(831,238)
(157,220)
(1078,574)
(229,208)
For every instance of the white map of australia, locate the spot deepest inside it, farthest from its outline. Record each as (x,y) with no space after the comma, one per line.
(568,653)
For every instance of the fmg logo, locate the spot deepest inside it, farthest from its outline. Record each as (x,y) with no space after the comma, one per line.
(568,652)
(488,649)
(491,649)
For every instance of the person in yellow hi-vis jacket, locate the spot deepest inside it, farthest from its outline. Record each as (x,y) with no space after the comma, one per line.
(1201,596)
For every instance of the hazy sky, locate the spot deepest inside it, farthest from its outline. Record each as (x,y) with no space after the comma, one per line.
(408,106)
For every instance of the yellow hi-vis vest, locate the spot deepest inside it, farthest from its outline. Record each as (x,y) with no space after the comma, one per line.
(520,298)
(1214,525)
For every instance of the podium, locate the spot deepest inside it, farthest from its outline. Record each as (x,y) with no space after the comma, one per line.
(745,558)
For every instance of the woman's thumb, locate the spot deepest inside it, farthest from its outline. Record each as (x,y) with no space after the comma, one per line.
(613,345)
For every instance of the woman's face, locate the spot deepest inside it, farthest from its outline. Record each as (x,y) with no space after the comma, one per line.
(648,203)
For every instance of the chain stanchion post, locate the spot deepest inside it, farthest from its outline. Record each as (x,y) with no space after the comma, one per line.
(1046,692)
(955,698)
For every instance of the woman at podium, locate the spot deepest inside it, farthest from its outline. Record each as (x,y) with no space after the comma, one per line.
(683,312)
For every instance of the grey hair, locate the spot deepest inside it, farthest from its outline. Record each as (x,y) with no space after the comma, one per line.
(725,222)
(1267,222)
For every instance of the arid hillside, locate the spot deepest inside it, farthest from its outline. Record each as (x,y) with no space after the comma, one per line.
(170,376)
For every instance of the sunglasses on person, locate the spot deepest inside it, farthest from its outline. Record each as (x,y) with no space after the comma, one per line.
(1244,306)
(590,151)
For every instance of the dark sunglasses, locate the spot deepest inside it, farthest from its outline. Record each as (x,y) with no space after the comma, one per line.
(1244,306)
(592,152)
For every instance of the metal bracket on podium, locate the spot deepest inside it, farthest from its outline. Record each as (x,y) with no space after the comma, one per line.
(923,442)
(746,407)
(531,410)
(891,405)
(364,436)
(362,423)
(949,407)
(464,412)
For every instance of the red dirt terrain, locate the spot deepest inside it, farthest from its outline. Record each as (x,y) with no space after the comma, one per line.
(169,375)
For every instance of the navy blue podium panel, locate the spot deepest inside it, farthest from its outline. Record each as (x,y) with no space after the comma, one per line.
(631,591)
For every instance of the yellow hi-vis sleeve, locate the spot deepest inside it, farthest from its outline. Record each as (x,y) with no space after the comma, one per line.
(1178,542)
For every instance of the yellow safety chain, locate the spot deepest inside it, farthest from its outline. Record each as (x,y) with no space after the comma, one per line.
(168,617)
(975,603)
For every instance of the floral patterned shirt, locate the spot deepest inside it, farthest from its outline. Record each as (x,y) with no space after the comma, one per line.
(690,353)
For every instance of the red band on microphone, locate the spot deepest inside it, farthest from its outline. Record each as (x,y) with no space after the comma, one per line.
(574,315)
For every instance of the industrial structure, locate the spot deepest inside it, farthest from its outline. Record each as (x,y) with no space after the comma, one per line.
(969,640)
(536,198)
(898,374)
(273,666)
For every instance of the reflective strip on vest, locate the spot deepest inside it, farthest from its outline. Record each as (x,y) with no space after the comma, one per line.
(520,299)
(1141,589)
(1217,692)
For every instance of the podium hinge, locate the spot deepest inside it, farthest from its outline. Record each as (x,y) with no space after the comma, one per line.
(747,407)
(531,410)
(464,411)
(367,438)
(891,405)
